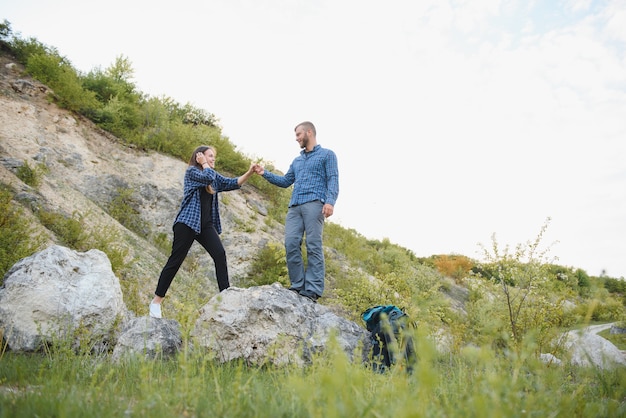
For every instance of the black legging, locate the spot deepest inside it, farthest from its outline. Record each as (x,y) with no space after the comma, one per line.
(183,238)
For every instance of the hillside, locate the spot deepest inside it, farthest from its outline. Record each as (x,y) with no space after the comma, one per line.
(75,184)
(86,168)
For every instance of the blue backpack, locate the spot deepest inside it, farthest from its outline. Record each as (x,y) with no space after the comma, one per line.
(387,325)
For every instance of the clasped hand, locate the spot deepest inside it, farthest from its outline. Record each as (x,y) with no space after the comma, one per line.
(258,169)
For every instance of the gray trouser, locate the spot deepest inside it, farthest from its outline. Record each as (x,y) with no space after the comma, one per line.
(306,218)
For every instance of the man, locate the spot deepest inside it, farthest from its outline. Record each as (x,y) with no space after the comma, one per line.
(315,176)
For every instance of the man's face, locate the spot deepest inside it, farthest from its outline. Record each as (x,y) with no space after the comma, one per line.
(302,137)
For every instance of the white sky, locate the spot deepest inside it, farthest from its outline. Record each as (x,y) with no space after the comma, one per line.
(451,120)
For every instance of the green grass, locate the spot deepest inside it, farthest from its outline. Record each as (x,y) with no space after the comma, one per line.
(473,383)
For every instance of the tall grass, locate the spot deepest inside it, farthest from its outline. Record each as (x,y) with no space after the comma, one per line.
(474,383)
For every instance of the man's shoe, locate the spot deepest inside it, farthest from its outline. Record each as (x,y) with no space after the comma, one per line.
(310,296)
(155,310)
(293,289)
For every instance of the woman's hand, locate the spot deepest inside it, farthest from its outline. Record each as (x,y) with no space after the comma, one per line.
(201,159)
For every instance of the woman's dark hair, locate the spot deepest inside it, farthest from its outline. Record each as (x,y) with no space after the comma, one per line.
(202,149)
(194,163)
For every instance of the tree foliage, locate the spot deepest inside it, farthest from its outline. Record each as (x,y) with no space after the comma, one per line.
(521,275)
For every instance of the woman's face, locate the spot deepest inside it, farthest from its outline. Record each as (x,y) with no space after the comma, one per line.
(210,157)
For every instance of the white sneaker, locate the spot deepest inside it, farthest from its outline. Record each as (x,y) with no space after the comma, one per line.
(155,310)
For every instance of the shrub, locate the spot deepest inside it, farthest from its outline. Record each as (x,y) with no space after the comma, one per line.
(455,266)
(608,310)
(31,175)
(269,266)
(18,239)
(119,117)
(522,275)
(108,241)
(69,230)
(56,72)
(357,292)
(123,208)
(25,48)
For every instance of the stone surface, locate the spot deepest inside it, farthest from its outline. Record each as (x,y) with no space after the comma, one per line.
(589,349)
(149,338)
(59,293)
(272,324)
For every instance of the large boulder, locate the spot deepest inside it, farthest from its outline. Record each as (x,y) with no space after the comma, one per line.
(271,324)
(58,295)
(589,349)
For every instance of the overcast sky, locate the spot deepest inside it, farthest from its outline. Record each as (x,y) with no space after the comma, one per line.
(451,120)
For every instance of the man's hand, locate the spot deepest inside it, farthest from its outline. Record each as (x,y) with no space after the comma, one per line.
(327,210)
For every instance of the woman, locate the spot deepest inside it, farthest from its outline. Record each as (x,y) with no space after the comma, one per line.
(198,220)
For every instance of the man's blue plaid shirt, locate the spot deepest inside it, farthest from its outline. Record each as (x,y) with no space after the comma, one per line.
(315,176)
(195,180)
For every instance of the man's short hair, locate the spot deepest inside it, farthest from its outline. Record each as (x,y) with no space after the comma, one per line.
(307,126)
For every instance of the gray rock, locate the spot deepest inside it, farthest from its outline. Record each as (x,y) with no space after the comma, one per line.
(22,86)
(548,358)
(59,294)
(271,324)
(617,330)
(257,206)
(589,349)
(148,337)
(11,163)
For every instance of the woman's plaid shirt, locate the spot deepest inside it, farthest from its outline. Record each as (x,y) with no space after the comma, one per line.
(195,180)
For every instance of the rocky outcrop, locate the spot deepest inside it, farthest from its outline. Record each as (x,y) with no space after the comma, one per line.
(271,324)
(58,295)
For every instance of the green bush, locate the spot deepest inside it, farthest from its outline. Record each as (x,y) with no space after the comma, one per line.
(31,175)
(608,310)
(269,266)
(56,72)
(69,230)
(18,239)
(123,207)
(615,286)
(119,117)
(109,242)
(23,49)
(520,305)
(356,292)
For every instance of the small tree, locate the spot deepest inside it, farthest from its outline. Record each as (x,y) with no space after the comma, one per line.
(520,275)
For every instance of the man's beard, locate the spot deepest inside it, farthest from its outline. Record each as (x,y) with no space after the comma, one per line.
(305,141)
